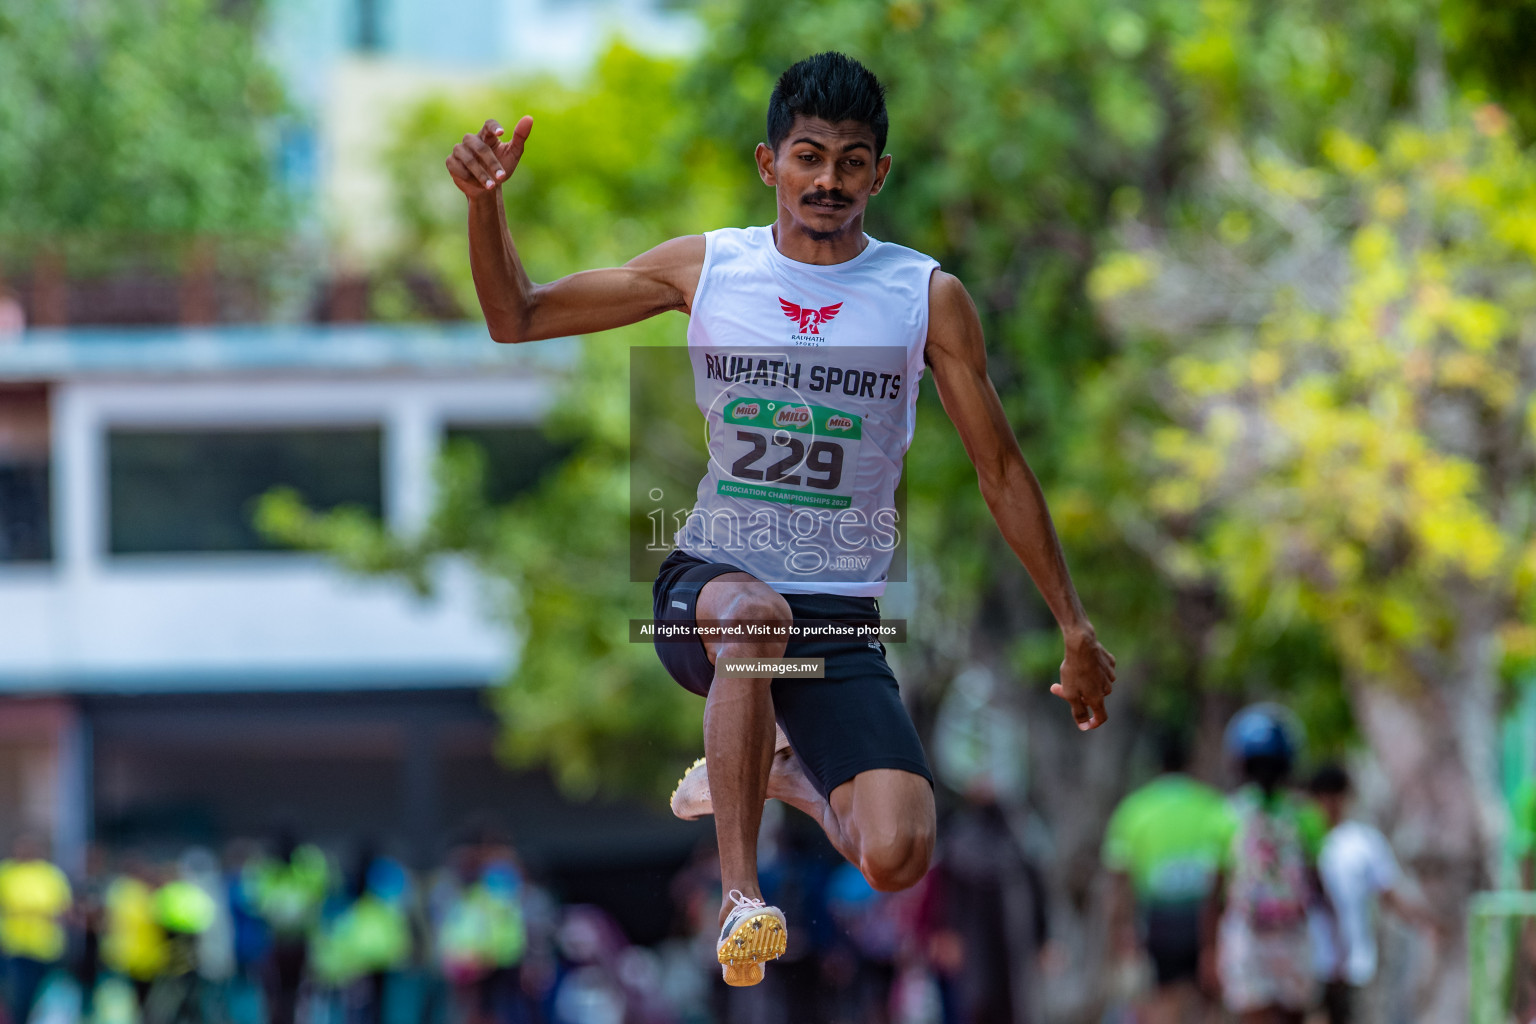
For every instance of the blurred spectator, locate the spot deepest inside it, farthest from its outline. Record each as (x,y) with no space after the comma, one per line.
(182,943)
(288,891)
(1162,847)
(816,969)
(251,938)
(985,915)
(481,937)
(87,924)
(871,925)
(133,944)
(640,975)
(1268,879)
(185,912)
(587,987)
(369,941)
(34,899)
(696,895)
(1357,868)
(984,910)
(215,942)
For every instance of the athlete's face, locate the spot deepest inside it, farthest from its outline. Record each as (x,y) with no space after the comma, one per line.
(824,173)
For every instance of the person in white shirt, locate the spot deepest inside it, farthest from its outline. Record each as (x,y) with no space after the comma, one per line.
(1358,870)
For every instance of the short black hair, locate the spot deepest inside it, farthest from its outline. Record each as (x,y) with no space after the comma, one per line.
(1268,770)
(1172,750)
(833,87)
(1330,780)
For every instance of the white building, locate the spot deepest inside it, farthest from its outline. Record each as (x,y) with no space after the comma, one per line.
(168,676)
(352,67)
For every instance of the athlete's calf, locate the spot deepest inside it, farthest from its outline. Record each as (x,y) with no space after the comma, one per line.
(739,724)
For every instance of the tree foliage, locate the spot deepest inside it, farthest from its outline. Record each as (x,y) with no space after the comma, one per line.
(1019,134)
(1340,360)
(127,130)
(1351,412)
(1021,137)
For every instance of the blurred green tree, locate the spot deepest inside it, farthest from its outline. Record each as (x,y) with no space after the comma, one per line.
(1021,137)
(1017,136)
(614,166)
(1018,133)
(134,134)
(1343,354)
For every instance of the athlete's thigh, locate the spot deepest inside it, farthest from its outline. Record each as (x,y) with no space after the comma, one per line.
(886,803)
(850,721)
(738,595)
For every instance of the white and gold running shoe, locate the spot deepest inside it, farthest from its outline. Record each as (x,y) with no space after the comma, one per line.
(690,800)
(753,934)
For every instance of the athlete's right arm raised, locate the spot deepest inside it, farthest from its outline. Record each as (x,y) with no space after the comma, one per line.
(515,308)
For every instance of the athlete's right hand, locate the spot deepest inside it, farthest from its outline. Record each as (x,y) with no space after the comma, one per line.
(1087,678)
(482,162)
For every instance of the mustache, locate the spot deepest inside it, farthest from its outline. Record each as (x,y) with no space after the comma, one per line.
(823,196)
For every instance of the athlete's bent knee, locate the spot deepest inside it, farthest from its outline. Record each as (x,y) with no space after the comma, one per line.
(760,604)
(897,862)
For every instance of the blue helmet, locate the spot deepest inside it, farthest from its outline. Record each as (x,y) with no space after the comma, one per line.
(1263,730)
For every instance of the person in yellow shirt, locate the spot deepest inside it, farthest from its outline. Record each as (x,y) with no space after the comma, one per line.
(133,943)
(34,897)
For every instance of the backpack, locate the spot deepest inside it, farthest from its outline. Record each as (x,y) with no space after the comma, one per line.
(1269,888)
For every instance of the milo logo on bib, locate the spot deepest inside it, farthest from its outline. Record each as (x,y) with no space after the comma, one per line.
(792,416)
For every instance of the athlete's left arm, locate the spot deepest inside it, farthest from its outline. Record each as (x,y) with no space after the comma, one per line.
(956,353)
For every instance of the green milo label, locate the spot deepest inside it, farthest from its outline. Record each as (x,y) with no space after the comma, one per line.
(793,416)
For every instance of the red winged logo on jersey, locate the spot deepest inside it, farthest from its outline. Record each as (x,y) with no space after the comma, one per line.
(809,317)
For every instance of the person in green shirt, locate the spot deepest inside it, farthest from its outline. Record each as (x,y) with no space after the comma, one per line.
(184,911)
(1162,848)
(34,897)
(368,940)
(288,890)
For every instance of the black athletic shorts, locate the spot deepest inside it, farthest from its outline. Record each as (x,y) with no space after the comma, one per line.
(851,721)
(1173,940)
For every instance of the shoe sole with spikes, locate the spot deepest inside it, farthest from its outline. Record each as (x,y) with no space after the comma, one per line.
(758,937)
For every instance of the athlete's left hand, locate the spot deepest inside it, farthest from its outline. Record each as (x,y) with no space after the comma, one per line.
(1087,677)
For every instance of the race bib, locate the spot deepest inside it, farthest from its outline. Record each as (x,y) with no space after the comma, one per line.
(789,452)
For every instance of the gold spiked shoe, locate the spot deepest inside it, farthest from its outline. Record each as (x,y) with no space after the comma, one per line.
(753,934)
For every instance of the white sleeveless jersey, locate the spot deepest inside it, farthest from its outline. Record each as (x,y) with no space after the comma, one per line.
(807,377)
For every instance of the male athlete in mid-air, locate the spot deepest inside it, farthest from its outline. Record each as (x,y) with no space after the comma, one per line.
(807,339)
